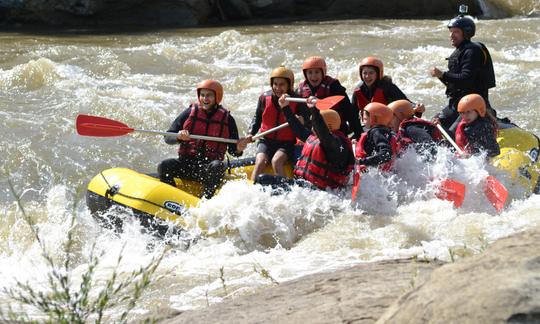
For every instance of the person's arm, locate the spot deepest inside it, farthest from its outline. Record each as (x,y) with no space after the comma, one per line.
(349,112)
(257,119)
(470,64)
(382,150)
(392,92)
(418,134)
(334,148)
(301,131)
(233,134)
(483,138)
(176,126)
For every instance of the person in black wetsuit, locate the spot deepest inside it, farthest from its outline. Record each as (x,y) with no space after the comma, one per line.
(470,70)
(378,146)
(375,86)
(319,84)
(327,157)
(201,160)
(411,130)
(477,131)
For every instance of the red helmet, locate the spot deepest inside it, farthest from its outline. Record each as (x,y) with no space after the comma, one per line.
(379,114)
(314,62)
(472,102)
(402,109)
(283,72)
(374,62)
(211,85)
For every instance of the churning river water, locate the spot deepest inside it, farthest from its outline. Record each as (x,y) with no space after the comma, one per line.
(146,79)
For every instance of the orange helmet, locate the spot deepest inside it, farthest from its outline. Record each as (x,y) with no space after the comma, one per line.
(402,109)
(283,72)
(374,62)
(472,102)
(314,62)
(211,85)
(332,119)
(380,114)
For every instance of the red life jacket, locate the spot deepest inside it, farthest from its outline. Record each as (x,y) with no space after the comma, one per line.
(273,116)
(362,153)
(198,123)
(461,138)
(404,141)
(362,101)
(314,167)
(323,90)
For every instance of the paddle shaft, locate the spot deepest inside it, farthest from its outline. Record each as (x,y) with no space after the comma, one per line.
(449,139)
(297,99)
(199,137)
(211,138)
(271,130)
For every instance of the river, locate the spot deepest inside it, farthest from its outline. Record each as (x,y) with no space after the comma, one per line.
(146,79)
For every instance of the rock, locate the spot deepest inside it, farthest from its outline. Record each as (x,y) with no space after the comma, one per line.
(359,294)
(235,9)
(402,9)
(184,13)
(501,285)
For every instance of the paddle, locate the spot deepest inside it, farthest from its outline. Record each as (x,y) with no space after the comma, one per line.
(321,104)
(356,182)
(451,190)
(494,190)
(103,127)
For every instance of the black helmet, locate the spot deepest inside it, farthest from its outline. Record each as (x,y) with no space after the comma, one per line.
(464,23)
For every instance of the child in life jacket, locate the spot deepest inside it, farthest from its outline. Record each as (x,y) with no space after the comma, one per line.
(276,147)
(477,130)
(201,160)
(410,129)
(319,84)
(376,87)
(327,157)
(378,145)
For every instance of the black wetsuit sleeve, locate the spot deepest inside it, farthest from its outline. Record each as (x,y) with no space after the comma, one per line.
(176,126)
(333,146)
(347,109)
(382,151)
(301,131)
(233,134)
(481,136)
(257,119)
(418,134)
(303,111)
(392,93)
(471,62)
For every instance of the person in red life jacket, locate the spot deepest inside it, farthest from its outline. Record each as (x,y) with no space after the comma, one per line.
(477,130)
(198,159)
(412,130)
(327,157)
(376,87)
(276,147)
(377,146)
(317,83)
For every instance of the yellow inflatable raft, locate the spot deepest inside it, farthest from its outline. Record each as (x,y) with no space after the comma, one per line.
(160,207)
(519,156)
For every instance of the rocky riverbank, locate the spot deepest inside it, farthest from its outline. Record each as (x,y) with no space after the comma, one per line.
(192,13)
(499,285)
